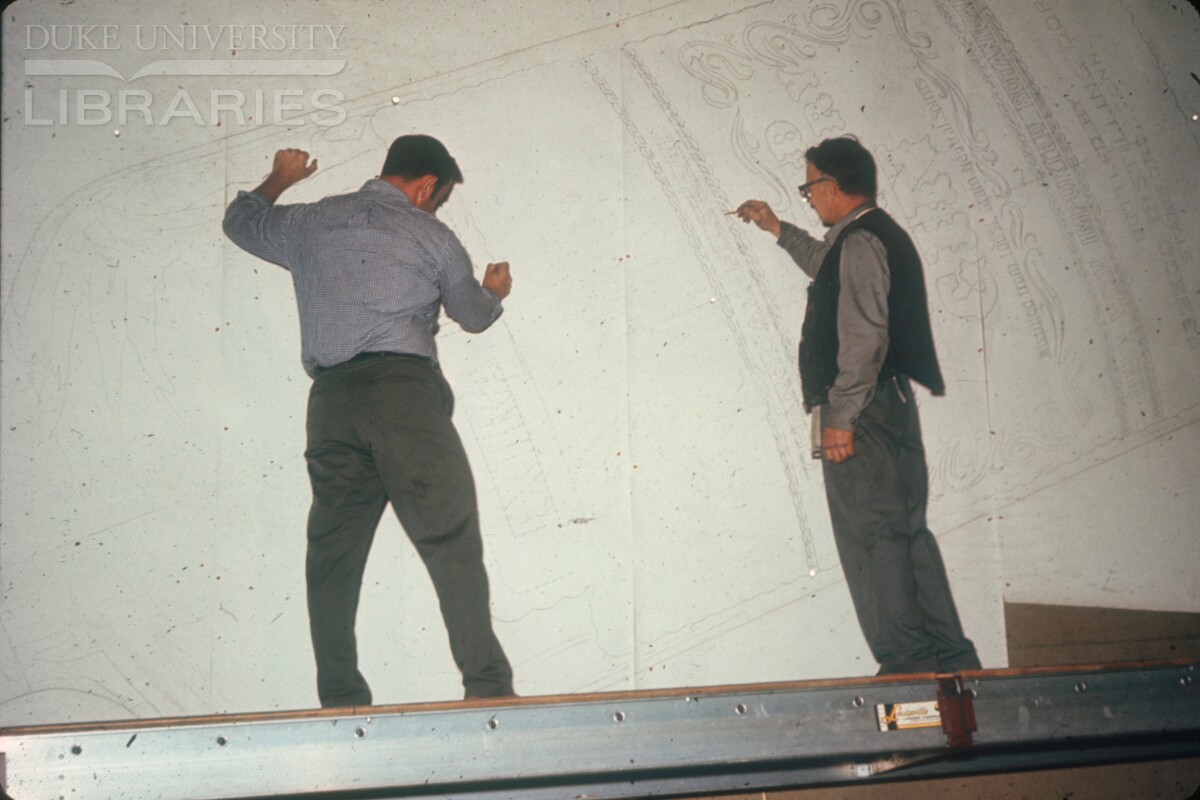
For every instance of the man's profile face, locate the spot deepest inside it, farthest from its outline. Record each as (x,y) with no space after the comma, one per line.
(821,194)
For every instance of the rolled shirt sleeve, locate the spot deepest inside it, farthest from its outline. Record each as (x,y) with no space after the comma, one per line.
(466,302)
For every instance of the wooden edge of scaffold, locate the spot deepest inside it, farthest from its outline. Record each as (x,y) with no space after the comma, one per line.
(590,697)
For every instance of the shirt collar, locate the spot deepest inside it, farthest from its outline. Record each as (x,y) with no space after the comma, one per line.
(839,226)
(387,193)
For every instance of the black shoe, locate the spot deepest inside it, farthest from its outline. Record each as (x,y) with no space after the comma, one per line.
(960,664)
(505,696)
(907,667)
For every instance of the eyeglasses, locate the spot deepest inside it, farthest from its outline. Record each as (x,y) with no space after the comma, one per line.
(806,188)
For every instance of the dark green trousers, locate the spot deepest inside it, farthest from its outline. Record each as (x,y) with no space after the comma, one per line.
(379,431)
(891,560)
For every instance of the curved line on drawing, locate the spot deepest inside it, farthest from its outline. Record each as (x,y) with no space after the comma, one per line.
(784,437)
(745,152)
(67,690)
(868,14)
(776,45)
(985,159)
(713,65)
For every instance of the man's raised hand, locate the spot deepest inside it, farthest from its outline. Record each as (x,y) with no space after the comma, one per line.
(292,165)
(497,279)
(760,213)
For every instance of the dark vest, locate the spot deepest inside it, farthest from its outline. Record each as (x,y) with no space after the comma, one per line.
(910,339)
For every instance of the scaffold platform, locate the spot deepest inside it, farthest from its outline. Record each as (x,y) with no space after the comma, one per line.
(661,743)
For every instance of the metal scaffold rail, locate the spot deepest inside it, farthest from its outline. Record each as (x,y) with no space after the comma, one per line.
(629,744)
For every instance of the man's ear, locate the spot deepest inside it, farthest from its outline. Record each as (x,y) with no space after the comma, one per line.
(426,187)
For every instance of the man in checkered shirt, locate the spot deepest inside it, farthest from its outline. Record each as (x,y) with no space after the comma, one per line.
(371,271)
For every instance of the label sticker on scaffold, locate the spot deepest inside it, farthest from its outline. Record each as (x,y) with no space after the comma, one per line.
(903,716)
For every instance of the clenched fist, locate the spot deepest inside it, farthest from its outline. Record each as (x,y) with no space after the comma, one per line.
(497,279)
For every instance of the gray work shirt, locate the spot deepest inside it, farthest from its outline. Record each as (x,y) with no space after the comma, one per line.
(370,269)
(862,313)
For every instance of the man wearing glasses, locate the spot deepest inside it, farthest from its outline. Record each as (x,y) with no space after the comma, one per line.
(866,333)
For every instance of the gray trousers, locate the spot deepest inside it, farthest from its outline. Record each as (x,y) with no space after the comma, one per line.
(893,567)
(379,430)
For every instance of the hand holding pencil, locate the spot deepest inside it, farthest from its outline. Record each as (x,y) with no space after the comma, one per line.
(758,212)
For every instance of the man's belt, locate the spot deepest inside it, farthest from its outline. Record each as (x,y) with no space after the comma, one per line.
(373,354)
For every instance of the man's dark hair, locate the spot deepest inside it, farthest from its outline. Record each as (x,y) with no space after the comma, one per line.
(417,155)
(848,163)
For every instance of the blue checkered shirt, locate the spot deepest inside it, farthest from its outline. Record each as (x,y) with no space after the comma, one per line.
(370,270)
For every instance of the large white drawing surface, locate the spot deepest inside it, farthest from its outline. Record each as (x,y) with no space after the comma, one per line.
(651,514)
